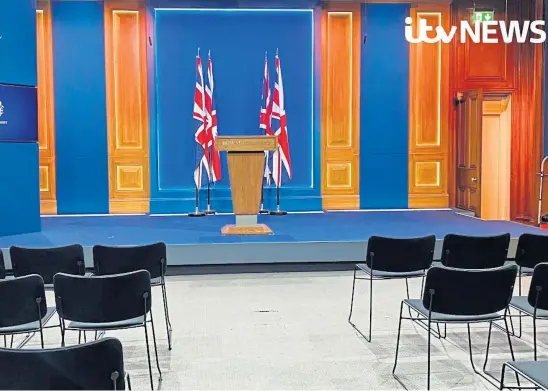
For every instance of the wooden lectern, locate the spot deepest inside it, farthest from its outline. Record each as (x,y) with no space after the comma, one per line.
(246,170)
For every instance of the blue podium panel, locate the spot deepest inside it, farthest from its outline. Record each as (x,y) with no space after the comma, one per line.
(18,43)
(19,188)
(18,113)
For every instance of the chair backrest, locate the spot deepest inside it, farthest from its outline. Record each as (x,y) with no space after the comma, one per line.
(532,250)
(2,266)
(97,365)
(469,291)
(22,300)
(99,299)
(116,260)
(47,262)
(538,289)
(400,255)
(475,252)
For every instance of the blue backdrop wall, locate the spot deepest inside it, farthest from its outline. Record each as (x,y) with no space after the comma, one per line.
(80,107)
(19,184)
(384,118)
(238,40)
(18,43)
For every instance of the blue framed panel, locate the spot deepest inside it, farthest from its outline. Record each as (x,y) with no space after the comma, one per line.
(237,40)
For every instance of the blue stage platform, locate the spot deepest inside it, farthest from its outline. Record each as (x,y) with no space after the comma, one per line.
(299,237)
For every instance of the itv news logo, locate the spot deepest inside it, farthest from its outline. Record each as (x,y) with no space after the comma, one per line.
(482,31)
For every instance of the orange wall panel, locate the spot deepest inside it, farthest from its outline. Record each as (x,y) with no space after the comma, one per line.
(127,107)
(341,41)
(46,119)
(428,112)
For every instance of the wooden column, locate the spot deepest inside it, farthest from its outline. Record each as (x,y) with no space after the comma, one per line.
(127,106)
(341,43)
(429,103)
(46,117)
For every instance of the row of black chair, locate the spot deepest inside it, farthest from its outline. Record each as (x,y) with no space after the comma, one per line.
(117,295)
(83,303)
(107,260)
(473,283)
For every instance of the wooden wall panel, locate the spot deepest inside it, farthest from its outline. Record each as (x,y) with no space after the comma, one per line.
(127,106)
(429,102)
(341,42)
(46,117)
(515,69)
(485,65)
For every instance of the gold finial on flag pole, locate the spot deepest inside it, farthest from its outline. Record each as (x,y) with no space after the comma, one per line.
(209,53)
(276,51)
(198,55)
(265,55)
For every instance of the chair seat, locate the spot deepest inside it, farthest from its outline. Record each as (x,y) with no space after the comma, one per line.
(520,303)
(28,327)
(122,324)
(385,274)
(536,371)
(417,305)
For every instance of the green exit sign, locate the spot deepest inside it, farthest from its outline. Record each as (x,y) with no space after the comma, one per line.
(484,16)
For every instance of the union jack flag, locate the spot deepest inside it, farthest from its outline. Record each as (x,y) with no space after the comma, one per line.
(266,118)
(211,128)
(279,124)
(202,155)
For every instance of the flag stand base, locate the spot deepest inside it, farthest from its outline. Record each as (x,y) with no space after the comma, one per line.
(209,212)
(196,214)
(278,213)
(264,212)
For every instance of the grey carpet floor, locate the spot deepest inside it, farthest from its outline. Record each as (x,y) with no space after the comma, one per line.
(289,331)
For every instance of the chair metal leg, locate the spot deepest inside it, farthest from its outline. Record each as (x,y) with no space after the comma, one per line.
(128,381)
(148,356)
(534,337)
(5,341)
(398,349)
(352,298)
(155,345)
(484,374)
(368,336)
(166,313)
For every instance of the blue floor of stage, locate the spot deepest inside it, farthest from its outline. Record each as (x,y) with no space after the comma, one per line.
(300,237)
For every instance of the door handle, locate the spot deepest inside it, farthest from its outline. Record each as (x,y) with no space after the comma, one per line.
(474,179)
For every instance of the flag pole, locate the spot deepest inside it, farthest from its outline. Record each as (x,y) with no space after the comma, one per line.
(209,211)
(278,211)
(262,210)
(197,212)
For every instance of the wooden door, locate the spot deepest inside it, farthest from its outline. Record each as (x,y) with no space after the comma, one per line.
(469,121)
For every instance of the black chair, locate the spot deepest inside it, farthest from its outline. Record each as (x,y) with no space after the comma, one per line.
(47,262)
(475,252)
(2,266)
(535,304)
(389,259)
(115,260)
(531,250)
(23,308)
(534,371)
(98,365)
(462,296)
(102,303)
